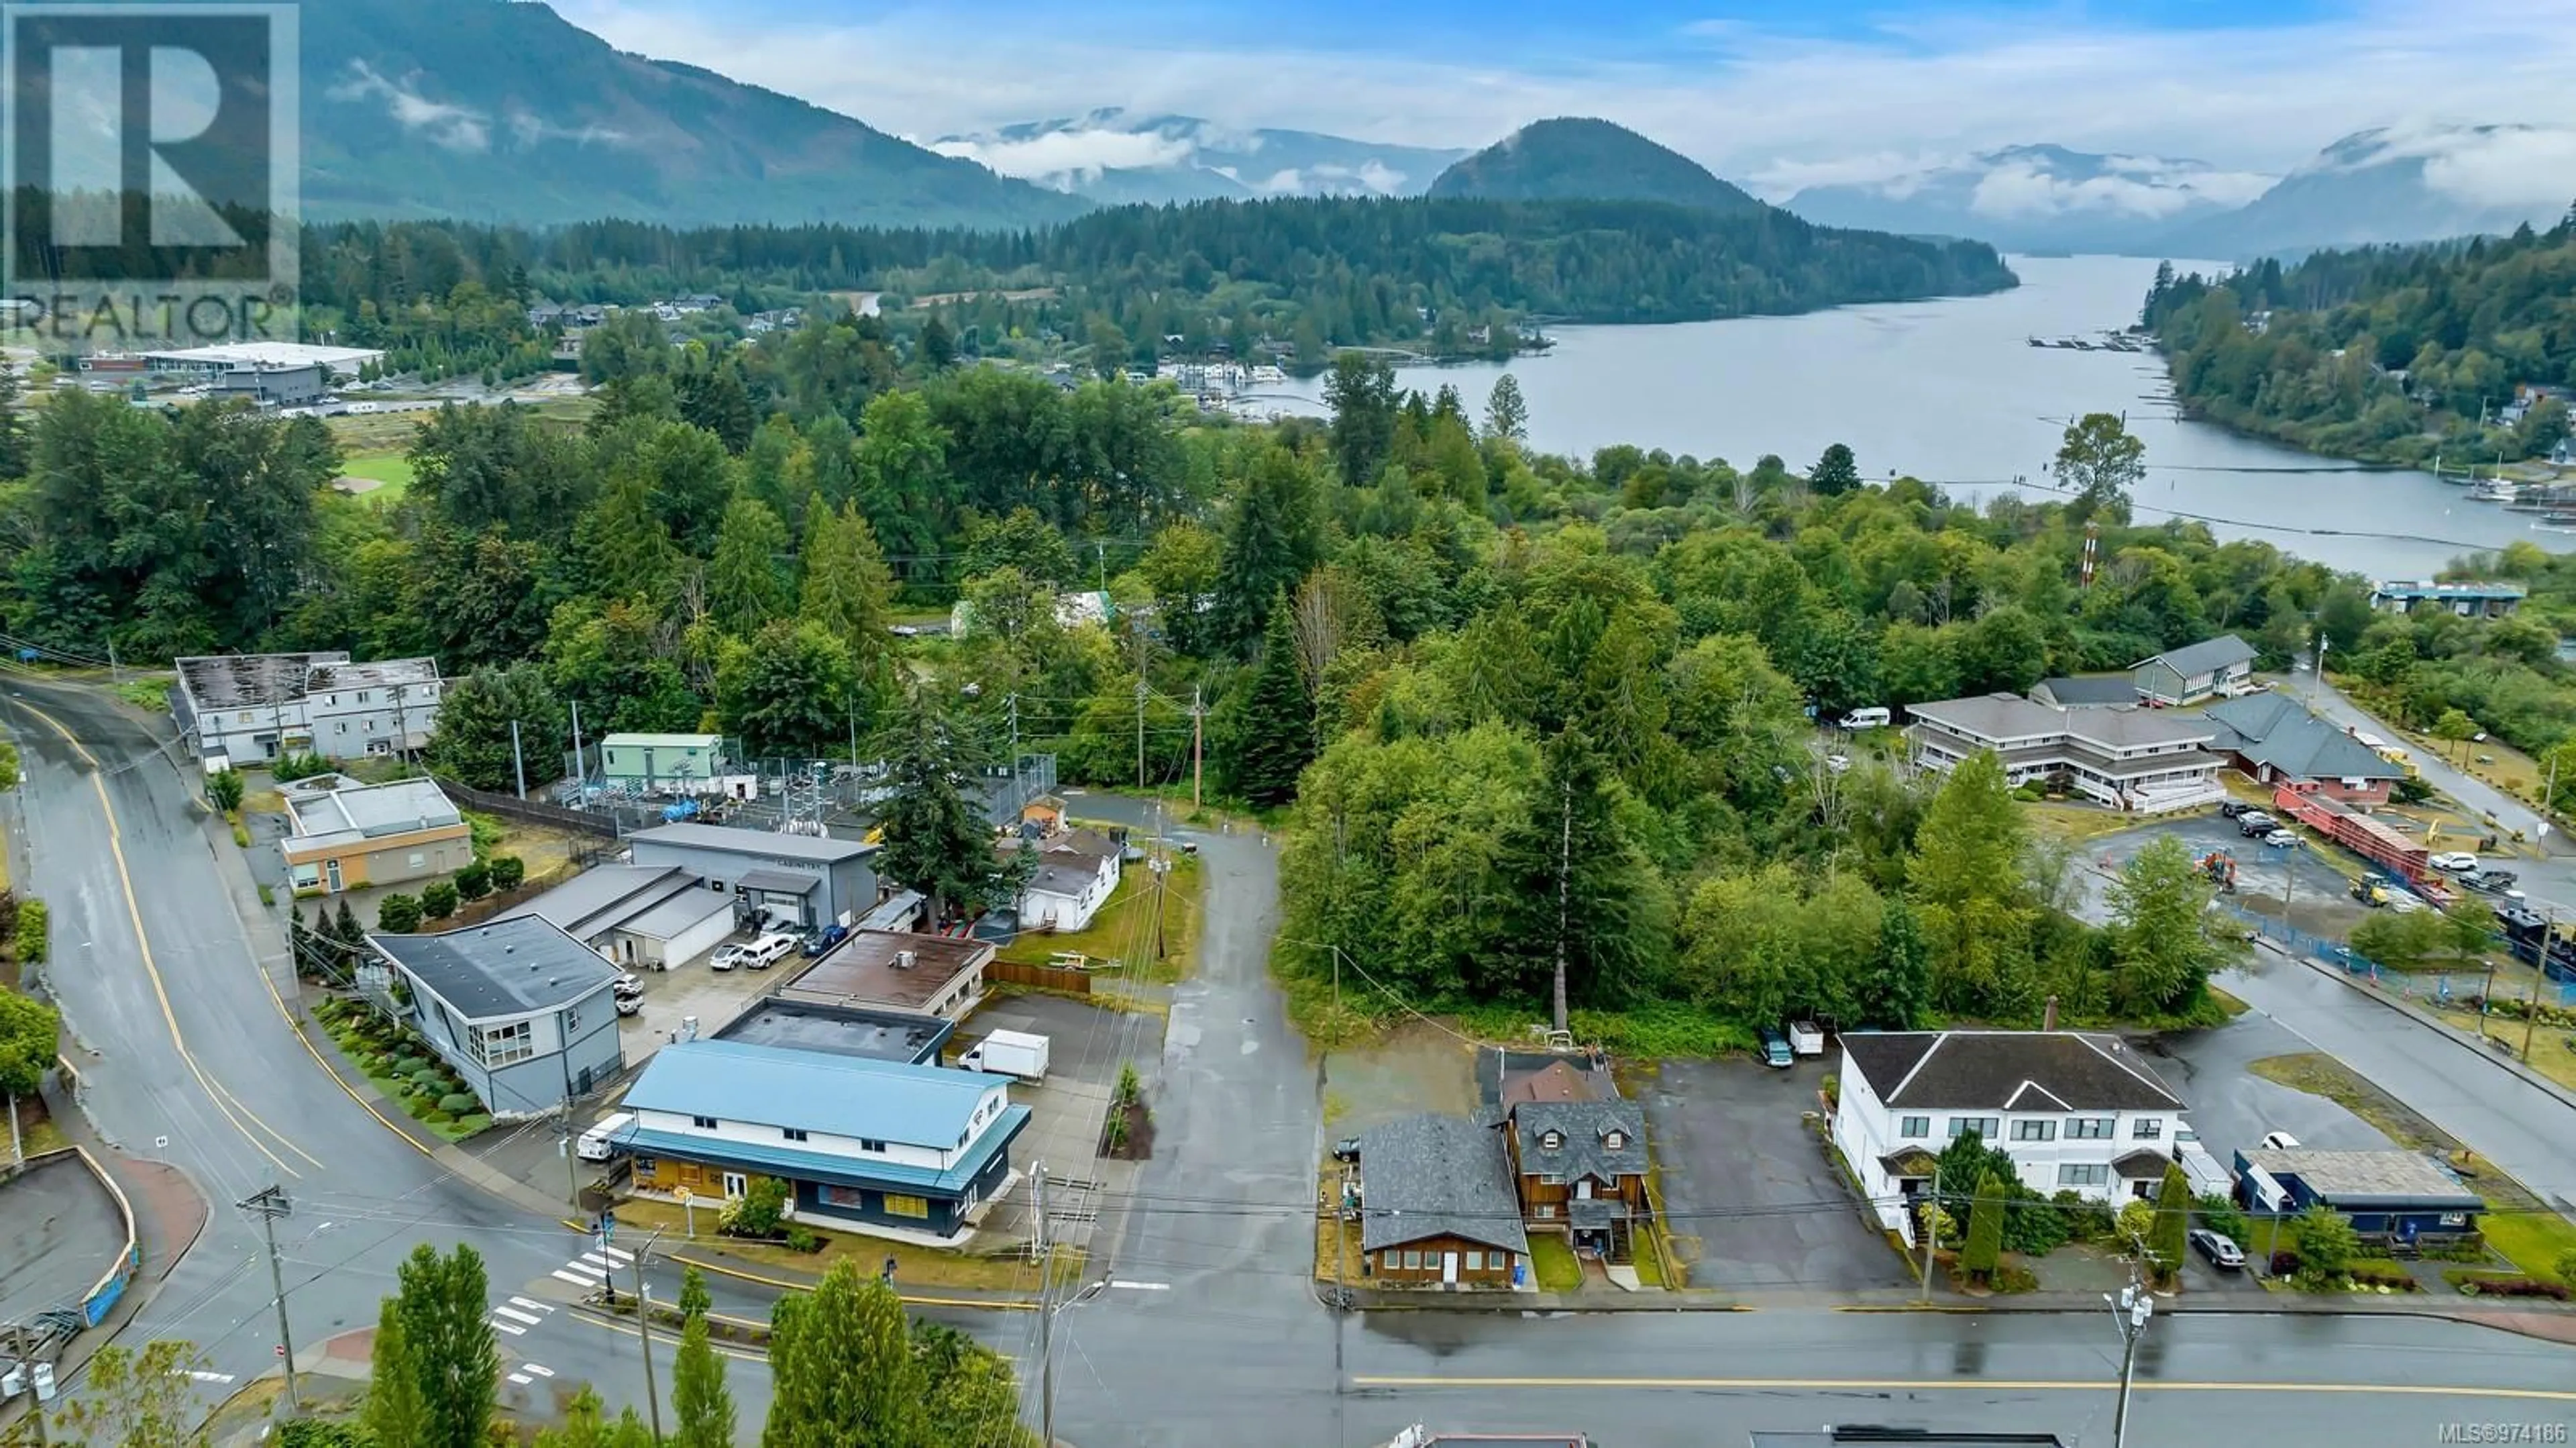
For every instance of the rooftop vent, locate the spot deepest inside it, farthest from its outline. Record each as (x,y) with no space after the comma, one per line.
(906,960)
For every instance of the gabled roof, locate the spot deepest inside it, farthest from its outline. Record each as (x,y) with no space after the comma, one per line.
(2277,730)
(501,968)
(1556,1081)
(842,1095)
(2090,691)
(615,897)
(2207,656)
(2006,1071)
(1436,1176)
(1583,1130)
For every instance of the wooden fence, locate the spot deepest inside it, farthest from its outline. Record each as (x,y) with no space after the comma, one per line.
(1051,977)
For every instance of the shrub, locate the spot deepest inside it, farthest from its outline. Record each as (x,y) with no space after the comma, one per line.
(474,1122)
(474,881)
(2013,1277)
(2566,1265)
(1985,1231)
(291,766)
(241,835)
(2220,1215)
(800,1240)
(1129,1087)
(33,944)
(457,1103)
(2324,1241)
(2086,1220)
(438,899)
(508,871)
(436,1117)
(224,790)
(762,1204)
(398,914)
(2514,1287)
(2385,1274)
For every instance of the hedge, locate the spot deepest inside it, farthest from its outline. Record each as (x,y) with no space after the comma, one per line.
(33,943)
(2514,1287)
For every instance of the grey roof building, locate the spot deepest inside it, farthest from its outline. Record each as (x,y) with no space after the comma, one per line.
(1436,1176)
(522,1011)
(801,879)
(2273,736)
(249,708)
(2086,691)
(2008,1071)
(2135,759)
(652,915)
(2187,675)
(1604,1140)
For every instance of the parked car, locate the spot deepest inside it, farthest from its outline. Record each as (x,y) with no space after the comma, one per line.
(2455,862)
(2221,1250)
(1874,717)
(2281,839)
(729,957)
(2254,824)
(628,1005)
(824,939)
(628,984)
(768,950)
(2230,809)
(1347,1149)
(1775,1050)
(2280,1141)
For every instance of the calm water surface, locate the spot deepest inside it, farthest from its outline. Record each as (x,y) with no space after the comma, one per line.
(1952,392)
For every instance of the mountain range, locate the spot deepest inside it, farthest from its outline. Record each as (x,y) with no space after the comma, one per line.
(1114,158)
(2035,198)
(494,110)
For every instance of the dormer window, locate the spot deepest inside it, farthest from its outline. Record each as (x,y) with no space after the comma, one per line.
(1551,1140)
(1615,1139)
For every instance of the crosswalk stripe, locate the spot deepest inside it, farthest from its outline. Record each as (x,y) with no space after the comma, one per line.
(623,1258)
(532,1304)
(515,1315)
(586,1269)
(576,1281)
(540,1369)
(512,1328)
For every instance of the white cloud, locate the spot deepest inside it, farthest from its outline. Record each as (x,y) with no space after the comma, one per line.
(457,128)
(1059,158)
(2504,166)
(1747,101)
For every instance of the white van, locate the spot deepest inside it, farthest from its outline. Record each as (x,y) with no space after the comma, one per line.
(599,1143)
(1873,717)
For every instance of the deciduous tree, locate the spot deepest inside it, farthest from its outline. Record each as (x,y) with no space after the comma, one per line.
(2101,464)
(843,1370)
(2163,952)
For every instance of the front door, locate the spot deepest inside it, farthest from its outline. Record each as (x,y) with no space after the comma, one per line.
(1448,1269)
(331,875)
(734,1185)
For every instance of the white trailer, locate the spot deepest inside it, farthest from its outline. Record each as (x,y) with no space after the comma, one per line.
(1009,1053)
(1806,1039)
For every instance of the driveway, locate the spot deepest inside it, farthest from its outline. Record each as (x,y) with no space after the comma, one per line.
(1745,1176)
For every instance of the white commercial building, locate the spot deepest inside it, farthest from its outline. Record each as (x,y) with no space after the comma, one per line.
(2077,1110)
(2133,759)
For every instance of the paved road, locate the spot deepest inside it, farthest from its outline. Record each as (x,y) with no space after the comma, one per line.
(174,1016)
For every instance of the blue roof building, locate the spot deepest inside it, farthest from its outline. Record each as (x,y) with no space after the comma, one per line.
(885,1146)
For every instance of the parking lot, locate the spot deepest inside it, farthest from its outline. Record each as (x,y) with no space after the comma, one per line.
(1086,1047)
(671,997)
(2309,878)
(1751,1196)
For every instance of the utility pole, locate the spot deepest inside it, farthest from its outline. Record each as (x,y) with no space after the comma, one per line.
(2129,1311)
(1930,1233)
(1014,702)
(1564,894)
(2531,1011)
(1046,1309)
(270,1203)
(644,1334)
(1198,744)
(580,764)
(2486,997)
(1140,733)
(518,759)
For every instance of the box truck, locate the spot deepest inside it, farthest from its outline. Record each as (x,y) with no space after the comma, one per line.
(1009,1053)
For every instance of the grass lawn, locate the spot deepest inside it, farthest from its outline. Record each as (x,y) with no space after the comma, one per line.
(1554,1263)
(361,434)
(1119,933)
(2228,1005)
(152,694)
(1004,1270)
(2074,823)
(390,469)
(2535,1240)
(2551,1054)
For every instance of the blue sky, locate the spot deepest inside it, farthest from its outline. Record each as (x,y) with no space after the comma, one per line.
(1777,92)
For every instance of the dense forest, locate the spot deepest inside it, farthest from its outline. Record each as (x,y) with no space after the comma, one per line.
(1293,279)
(2394,354)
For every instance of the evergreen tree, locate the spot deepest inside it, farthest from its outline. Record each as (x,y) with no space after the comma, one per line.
(744,587)
(1362,394)
(2101,464)
(699,1397)
(1897,993)
(2167,1240)
(444,1316)
(1984,1249)
(472,742)
(395,1416)
(587,1425)
(936,839)
(1835,473)
(1277,721)
(1506,415)
(846,585)
(1270,543)
(1584,919)
(843,1370)
(1966,883)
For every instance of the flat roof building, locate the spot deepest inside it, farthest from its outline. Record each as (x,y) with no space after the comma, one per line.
(223,357)
(342,834)
(834,1030)
(2474,600)
(243,709)
(940,975)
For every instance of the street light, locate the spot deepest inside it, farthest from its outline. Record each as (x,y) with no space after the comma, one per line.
(2129,1312)
(1046,1348)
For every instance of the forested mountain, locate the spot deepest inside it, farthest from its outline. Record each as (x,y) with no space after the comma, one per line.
(503,111)
(1116,159)
(2392,353)
(1297,278)
(1580,159)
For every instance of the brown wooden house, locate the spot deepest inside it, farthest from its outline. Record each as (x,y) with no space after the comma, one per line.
(1580,1169)
(1436,1207)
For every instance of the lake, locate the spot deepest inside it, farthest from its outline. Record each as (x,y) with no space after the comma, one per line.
(1952,392)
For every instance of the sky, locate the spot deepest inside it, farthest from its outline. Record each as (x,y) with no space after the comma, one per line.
(1776,93)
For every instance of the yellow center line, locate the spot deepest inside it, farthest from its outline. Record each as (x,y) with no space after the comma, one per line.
(1935,1385)
(152,970)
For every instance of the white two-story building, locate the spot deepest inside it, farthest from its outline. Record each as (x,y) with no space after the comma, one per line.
(2078,1110)
(2133,759)
(886,1146)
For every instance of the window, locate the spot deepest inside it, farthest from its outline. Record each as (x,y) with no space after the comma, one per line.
(1475,1260)
(504,1045)
(243,717)
(371,726)
(2034,1131)
(2075,1174)
(340,728)
(792,1133)
(2147,1129)
(1551,1140)
(571,1023)
(902,1206)
(826,1194)
(703,1123)
(1615,1139)
(1983,1126)
(1551,1179)
(1914,1128)
(1546,1210)
(2090,1128)
(645,1166)
(419,860)
(868,1144)
(362,696)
